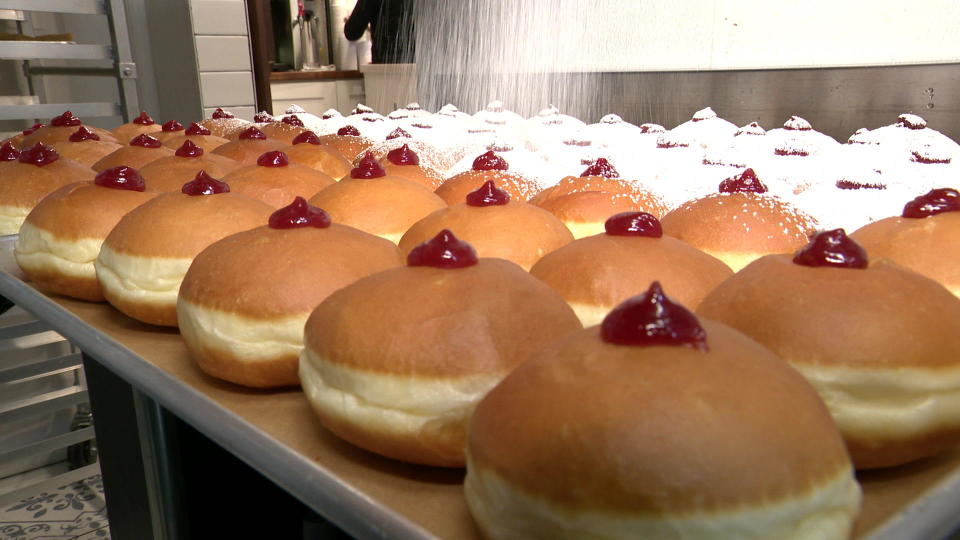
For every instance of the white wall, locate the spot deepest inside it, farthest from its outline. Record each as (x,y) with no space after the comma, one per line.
(747,34)
(671,35)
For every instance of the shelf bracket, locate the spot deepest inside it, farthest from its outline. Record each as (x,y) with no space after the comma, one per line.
(127,70)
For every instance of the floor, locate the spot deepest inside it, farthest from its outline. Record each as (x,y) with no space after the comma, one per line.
(73,511)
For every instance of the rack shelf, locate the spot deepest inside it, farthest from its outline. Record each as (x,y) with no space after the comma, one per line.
(53,50)
(83,7)
(118,53)
(49,110)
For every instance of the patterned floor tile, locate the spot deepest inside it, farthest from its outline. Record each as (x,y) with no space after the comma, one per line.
(71,512)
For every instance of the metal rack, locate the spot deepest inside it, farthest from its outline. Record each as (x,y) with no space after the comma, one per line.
(119,52)
(44,405)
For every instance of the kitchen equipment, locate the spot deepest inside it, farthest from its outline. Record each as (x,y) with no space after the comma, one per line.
(313,40)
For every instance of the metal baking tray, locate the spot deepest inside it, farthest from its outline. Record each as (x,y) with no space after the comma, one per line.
(369,496)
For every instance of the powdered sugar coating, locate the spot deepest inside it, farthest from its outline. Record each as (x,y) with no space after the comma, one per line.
(887,165)
(705,128)
(911,121)
(800,131)
(432,160)
(411,110)
(495,114)
(529,165)
(451,111)
(796,123)
(550,126)
(753,128)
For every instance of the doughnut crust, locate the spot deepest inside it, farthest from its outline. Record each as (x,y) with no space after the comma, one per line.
(929,246)
(61,237)
(244,301)
(738,228)
(728,443)
(144,258)
(395,362)
(881,345)
(454,190)
(516,231)
(595,274)
(385,207)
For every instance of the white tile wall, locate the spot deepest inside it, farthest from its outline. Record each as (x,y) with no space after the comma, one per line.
(326,90)
(228,88)
(240,112)
(312,106)
(219,17)
(314,96)
(223,53)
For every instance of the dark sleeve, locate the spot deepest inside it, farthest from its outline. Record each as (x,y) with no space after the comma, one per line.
(363,14)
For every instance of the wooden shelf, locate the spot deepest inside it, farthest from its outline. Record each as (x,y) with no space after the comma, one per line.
(314,75)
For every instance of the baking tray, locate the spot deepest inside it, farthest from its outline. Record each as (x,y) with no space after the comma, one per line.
(368,496)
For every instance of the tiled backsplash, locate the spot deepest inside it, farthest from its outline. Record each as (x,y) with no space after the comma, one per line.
(219,17)
(223,55)
(240,112)
(228,88)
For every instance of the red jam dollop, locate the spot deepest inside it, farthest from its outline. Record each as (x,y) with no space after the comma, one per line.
(204,184)
(189,149)
(274,158)
(368,168)
(252,133)
(651,319)
(263,117)
(348,131)
(403,156)
(83,134)
(307,137)
(490,162)
(292,120)
(936,201)
(145,141)
(633,224)
(220,114)
(8,152)
(745,182)
(31,129)
(171,126)
(601,167)
(144,119)
(443,251)
(832,248)
(196,129)
(65,119)
(488,195)
(397,133)
(121,177)
(299,214)
(38,155)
